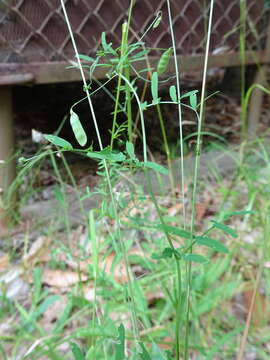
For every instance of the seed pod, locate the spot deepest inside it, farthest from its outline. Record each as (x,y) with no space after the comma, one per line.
(164,61)
(77,128)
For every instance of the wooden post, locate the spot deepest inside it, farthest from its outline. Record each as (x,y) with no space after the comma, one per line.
(256,101)
(7,164)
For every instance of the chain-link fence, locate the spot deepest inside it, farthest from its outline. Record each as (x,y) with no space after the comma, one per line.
(35,30)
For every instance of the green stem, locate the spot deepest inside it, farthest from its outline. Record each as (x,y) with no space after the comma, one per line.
(195,180)
(167,149)
(141,115)
(178,294)
(124,65)
(122,57)
(178,309)
(115,110)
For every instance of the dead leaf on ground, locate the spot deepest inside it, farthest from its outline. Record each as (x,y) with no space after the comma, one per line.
(89,293)
(59,278)
(201,209)
(175,209)
(4,262)
(52,313)
(13,285)
(261,309)
(118,270)
(38,249)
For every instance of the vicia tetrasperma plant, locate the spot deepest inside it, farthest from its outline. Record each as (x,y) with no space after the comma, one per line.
(120,64)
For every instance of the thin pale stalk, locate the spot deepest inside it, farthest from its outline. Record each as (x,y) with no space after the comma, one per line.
(266,225)
(195,178)
(177,73)
(116,105)
(127,75)
(242,48)
(141,115)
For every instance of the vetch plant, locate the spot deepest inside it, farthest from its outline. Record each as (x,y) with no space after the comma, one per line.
(185,244)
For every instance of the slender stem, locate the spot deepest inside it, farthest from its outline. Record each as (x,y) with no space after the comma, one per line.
(178,300)
(167,149)
(178,309)
(195,178)
(127,73)
(124,65)
(141,115)
(179,112)
(265,223)
(243,65)
(116,105)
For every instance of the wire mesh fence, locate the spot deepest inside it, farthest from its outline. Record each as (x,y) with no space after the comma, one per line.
(35,30)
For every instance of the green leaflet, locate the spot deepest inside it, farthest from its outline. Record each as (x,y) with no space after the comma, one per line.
(86,58)
(76,351)
(196,258)
(188,94)
(156,167)
(166,254)
(154,87)
(120,346)
(211,243)
(235,213)
(173,93)
(145,354)
(193,101)
(107,47)
(107,154)
(57,141)
(143,105)
(175,231)
(225,228)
